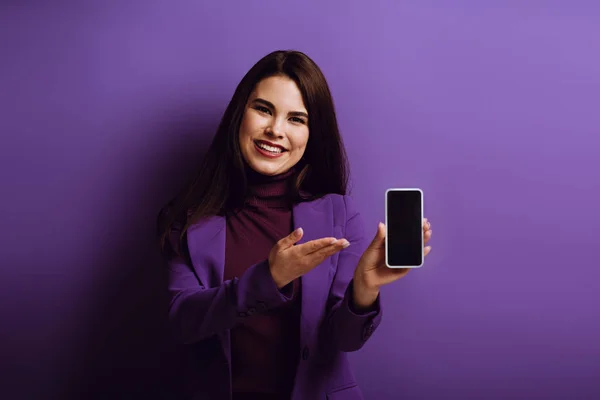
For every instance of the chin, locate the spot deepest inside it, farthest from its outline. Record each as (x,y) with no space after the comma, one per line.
(266,169)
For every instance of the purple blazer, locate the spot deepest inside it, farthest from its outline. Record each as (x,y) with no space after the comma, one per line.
(203,307)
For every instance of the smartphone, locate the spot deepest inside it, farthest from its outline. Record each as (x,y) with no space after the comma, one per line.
(404,228)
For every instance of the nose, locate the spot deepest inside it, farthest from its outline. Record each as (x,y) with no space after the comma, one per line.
(274,129)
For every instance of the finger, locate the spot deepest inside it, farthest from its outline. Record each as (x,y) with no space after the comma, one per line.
(314,245)
(319,256)
(290,239)
(426,224)
(426,250)
(379,239)
(427,235)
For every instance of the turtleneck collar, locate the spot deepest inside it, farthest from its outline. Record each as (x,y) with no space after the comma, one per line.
(269,191)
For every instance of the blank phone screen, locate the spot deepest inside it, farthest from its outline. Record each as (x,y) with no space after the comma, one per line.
(404,228)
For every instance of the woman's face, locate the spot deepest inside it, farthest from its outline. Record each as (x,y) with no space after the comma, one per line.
(274,129)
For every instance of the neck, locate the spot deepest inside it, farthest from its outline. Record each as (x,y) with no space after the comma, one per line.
(269,190)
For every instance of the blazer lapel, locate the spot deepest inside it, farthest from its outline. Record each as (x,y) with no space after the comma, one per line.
(316,219)
(206,243)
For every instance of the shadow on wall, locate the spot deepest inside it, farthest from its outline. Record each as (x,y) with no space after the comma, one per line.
(129,350)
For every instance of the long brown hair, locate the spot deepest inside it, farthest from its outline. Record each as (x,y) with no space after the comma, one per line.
(221,181)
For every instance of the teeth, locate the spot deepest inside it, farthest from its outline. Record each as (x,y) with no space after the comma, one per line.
(269,148)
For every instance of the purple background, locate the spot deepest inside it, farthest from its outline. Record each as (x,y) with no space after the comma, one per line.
(492,107)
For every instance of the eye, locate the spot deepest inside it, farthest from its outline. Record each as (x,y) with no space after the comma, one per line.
(262,109)
(298,120)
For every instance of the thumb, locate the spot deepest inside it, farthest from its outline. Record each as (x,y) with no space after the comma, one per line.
(379,239)
(290,239)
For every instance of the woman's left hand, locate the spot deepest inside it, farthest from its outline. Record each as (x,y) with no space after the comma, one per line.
(372,273)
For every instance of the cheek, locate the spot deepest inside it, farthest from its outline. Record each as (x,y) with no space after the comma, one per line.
(300,140)
(251,123)
(244,127)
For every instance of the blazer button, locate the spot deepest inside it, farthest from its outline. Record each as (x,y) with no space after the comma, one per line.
(305,353)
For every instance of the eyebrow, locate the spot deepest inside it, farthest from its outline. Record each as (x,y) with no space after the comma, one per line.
(270,105)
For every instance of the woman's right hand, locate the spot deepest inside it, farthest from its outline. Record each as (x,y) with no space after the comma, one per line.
(288,262)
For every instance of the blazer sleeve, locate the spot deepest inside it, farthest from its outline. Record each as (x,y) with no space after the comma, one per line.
(349,330)
(197,311)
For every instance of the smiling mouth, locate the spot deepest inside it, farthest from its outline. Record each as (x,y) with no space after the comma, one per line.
(269,147)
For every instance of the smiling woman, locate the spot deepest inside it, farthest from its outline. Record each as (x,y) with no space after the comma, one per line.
(274,130)
(272,104)
(271,277)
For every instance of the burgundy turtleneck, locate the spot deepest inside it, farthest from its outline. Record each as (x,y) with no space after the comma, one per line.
(265,347)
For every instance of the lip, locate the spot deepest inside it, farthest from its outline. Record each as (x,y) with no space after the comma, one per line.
(266,153)
(270,144)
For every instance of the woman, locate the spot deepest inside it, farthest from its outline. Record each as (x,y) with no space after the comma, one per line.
(271,278)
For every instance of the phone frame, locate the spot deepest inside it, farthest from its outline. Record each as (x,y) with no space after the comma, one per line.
(386,227)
